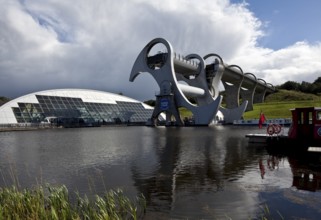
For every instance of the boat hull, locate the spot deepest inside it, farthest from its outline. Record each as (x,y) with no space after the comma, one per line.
(283,143)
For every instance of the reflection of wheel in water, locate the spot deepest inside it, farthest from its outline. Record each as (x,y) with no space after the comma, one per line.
(274,129)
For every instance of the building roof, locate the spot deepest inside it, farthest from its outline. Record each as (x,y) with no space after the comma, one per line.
(86,96)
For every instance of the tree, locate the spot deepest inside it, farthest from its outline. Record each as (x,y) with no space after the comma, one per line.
(290,85)
(150,102)
(317,86)
(317,81)
(306,87)
(3,100)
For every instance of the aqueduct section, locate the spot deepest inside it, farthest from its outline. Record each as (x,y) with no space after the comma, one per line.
(181,78)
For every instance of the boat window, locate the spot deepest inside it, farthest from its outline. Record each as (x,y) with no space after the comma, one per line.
(310,118)
(306,118)
(318,115)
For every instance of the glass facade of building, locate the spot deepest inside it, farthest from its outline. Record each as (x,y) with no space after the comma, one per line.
(70,110)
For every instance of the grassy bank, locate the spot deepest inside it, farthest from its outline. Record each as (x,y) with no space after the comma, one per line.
(278,109)
(290,95)
(276,105)
(270,109)
(54,203)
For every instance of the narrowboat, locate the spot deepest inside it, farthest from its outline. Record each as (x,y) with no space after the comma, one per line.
(304,132)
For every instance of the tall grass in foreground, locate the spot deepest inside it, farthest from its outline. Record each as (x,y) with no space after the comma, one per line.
(54,203)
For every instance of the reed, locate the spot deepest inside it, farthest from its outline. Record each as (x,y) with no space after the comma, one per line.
(54,203)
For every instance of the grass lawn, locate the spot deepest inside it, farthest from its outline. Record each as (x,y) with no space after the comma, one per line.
(278,109)
(276,105)
(270,109)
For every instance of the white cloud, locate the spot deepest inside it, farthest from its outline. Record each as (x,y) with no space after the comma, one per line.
(299,62)
(56,44)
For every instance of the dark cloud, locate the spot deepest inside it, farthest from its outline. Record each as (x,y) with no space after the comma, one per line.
(63,44)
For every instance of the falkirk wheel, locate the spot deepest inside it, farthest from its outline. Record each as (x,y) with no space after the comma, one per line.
(185,78)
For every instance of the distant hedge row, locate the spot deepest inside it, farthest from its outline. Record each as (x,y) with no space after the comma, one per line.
(306,87)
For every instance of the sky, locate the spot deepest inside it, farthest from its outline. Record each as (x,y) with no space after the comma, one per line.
(93,44)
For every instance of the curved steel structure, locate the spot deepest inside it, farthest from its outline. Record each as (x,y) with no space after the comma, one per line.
(182,78)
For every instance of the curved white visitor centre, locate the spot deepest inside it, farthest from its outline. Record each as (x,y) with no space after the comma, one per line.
(74,106)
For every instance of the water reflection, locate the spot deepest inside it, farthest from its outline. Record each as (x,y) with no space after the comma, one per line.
(192,172)
(194,169)
(306,171)
(298,194)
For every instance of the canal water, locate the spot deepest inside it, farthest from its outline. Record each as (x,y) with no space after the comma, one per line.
(184,173)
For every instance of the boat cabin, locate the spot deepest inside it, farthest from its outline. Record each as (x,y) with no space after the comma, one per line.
(306,124)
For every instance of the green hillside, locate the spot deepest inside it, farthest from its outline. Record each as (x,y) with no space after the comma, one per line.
(277,105)
(290,95)
(278,109)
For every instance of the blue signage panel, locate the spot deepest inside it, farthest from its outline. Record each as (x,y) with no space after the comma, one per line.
(164,104)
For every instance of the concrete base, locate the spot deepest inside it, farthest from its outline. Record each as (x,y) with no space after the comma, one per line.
(233,114)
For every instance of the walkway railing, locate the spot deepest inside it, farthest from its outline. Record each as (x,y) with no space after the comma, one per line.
(25,126)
